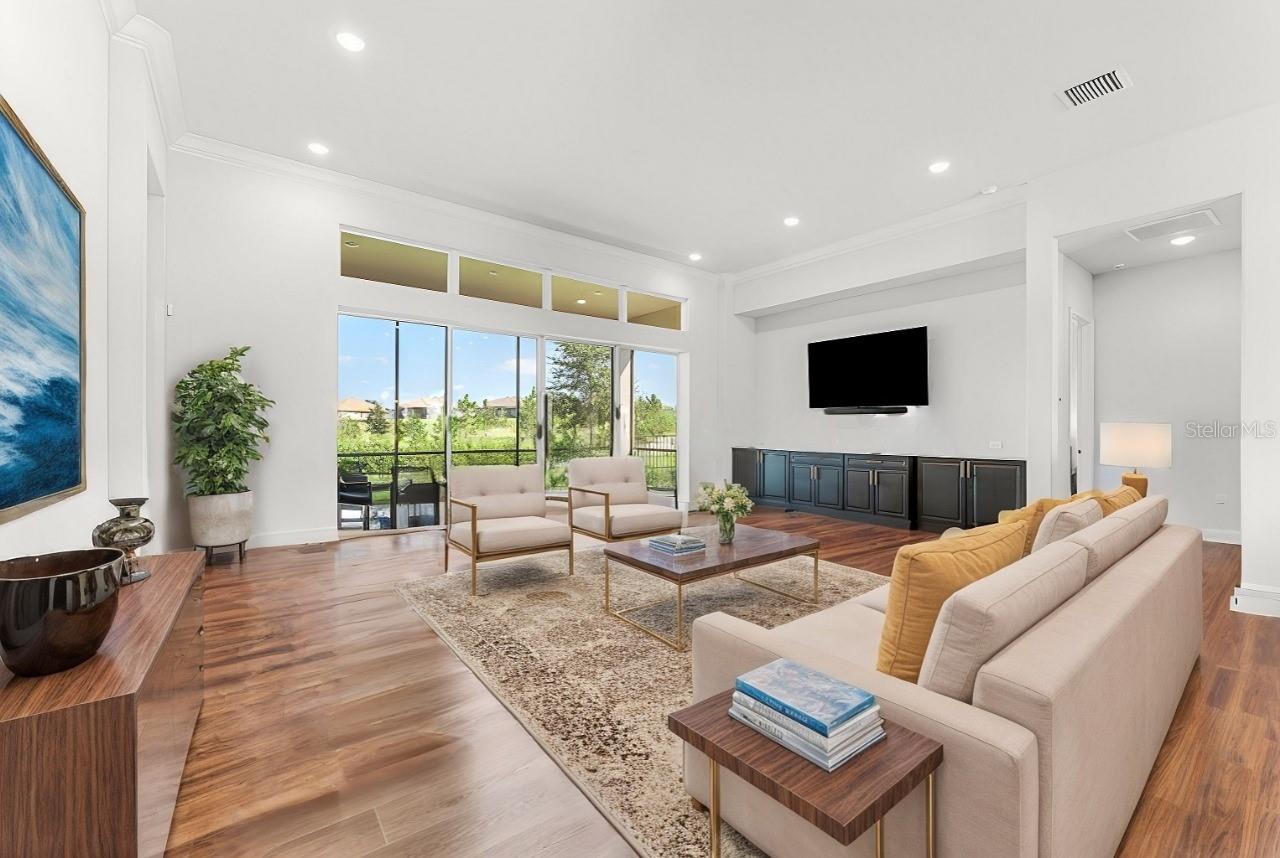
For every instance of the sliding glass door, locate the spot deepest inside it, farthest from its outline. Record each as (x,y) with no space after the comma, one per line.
(417,399)
(579,405)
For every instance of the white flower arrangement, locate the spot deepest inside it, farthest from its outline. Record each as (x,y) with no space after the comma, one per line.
(730,502)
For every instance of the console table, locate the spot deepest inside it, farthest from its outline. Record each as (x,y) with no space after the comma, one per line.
(92,757)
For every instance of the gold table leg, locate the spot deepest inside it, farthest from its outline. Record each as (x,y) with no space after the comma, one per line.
(714,819)
(931,823)
(680,617)
(606,585)
(801,599)
(879,838)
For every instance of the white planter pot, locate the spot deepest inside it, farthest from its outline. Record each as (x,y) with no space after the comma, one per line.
(220,519)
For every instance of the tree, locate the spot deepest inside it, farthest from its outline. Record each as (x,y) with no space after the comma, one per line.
(579,386)
(377,421)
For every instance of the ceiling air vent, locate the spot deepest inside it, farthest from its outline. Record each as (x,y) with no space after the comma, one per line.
(1165,227)
(1092,90)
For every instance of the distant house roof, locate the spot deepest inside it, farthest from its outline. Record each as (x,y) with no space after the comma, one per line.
(424,402)
(351,405)
(502,402)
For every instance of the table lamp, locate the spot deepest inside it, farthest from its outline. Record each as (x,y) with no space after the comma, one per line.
(1136,445)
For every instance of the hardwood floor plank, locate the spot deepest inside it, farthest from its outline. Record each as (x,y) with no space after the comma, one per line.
(336,722)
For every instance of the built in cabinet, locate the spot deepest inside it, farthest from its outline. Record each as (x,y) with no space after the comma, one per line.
(968,492)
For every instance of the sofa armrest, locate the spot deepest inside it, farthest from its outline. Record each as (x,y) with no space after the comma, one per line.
(987,786)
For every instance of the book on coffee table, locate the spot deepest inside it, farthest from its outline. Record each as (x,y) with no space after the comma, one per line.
(868,719)
(677,543)
(818,701)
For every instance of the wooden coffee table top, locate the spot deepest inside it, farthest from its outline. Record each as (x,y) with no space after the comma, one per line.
(751,546)
(844,803)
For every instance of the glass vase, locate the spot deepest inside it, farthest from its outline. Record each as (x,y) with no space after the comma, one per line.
(727,526)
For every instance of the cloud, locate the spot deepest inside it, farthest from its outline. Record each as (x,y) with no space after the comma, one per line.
(528,366)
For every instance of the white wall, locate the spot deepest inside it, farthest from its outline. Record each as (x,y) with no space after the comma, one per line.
(1077,300)
(976,394)
(1168,352)
(253,259)
(63,73)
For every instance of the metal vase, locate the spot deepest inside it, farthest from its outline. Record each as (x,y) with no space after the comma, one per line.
(128,531)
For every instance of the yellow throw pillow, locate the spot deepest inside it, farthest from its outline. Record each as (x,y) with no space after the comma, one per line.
(1033,514)
(925,575)
(1118,498)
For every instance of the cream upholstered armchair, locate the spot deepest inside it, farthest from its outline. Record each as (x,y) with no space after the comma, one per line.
(498,511)
(609,499)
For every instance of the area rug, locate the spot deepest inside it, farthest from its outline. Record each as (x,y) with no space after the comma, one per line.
(593,691)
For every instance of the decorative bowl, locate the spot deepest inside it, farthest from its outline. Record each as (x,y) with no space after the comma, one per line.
(56,609)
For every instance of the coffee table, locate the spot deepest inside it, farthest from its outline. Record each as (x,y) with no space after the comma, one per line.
(751,547)
(844,803)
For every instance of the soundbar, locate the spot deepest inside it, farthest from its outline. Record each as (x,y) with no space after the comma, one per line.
(862,409)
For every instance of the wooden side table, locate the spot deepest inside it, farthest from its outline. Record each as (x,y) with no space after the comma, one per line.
(844,803)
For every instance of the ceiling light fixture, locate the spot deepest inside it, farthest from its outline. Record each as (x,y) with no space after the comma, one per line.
(791,221)
(582,300)
(351,243)
(989,190)
(1182,240)
(1118,266)
(493,273)
(695,257)
(597,292)
(318,148)
(351,42)
(938,167)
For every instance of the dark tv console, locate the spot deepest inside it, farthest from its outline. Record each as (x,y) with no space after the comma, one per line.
(923,492)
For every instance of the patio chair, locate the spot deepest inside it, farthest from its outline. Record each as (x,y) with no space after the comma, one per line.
(355,490)
(500,511)
(609,500)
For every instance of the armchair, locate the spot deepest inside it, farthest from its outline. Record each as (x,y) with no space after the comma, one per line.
(500,511)
(609,500)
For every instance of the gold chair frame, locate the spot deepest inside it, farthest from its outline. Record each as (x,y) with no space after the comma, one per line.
(478,557)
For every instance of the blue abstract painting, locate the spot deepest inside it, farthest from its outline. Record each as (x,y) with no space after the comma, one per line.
(41,334)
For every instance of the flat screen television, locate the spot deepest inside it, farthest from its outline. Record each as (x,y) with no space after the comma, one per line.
(872,371)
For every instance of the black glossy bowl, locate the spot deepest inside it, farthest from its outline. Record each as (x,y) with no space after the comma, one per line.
(56,609)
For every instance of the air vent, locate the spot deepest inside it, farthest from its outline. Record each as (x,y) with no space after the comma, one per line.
(1166,227)
(1092,90)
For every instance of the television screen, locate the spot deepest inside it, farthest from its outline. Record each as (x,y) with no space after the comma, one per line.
(889,369)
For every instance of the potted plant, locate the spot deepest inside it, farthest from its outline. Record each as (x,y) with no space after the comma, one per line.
(727,504)
(219,424)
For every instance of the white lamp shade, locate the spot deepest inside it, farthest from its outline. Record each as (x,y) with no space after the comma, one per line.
(1136,445)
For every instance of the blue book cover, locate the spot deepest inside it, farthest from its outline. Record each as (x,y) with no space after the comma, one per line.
(818,701)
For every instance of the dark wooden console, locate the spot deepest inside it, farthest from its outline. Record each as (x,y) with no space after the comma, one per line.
(891,490)
(91,758)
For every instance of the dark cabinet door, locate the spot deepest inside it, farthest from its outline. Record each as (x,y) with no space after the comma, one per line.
(746,469)
(994,486)
(802,484)
(857,490)
(826,486)
(773,474)
(941,493)
(892,493)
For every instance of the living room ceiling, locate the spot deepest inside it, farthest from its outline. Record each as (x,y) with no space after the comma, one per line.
(1109,248)
(676,128)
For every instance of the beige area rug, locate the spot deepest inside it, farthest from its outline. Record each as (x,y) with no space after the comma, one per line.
(593,691)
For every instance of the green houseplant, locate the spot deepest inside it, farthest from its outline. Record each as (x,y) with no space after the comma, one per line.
(219,423)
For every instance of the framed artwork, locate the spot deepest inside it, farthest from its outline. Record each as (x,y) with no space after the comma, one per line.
(42,371)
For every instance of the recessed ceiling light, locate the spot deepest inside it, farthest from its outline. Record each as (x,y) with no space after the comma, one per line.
(582,300)
(1181,240)
(695,257)
(351,243)
(1118,266)
(791,221)
(939,167)
(318,148)
(351,42)
(990,189)
(597,292)
(493,273)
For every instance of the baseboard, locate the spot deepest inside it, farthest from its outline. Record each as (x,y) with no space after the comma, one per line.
(1230,537)
(292,537)
(1255,602)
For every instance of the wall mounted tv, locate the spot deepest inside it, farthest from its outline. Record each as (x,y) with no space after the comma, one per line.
(871,374)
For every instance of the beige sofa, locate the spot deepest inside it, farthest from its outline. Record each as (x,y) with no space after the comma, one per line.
(1051,685)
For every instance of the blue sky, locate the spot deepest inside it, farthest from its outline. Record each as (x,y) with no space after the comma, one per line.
(484,364)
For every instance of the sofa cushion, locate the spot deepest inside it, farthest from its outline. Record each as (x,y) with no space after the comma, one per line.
(877,599)
(628,518)
(1033,514)
(498,491)
(848,629)
(1119,533)
(512,534)
(622,477)
(1064,520)
(979,620)
(924,576)
(1118,498)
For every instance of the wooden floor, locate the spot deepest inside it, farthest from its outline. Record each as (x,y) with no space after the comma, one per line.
(336,723)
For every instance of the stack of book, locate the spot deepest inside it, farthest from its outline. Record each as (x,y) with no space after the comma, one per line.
(824,720)
(677,543)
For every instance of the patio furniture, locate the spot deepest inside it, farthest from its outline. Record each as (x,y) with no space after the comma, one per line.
(500,511)
(609,500)
(419,491)
(355,490)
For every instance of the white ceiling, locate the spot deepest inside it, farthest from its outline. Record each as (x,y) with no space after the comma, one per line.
(673,127)
(1101,249)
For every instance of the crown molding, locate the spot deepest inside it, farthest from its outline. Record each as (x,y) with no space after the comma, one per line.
(252,159)
(124,23)
(966,210)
